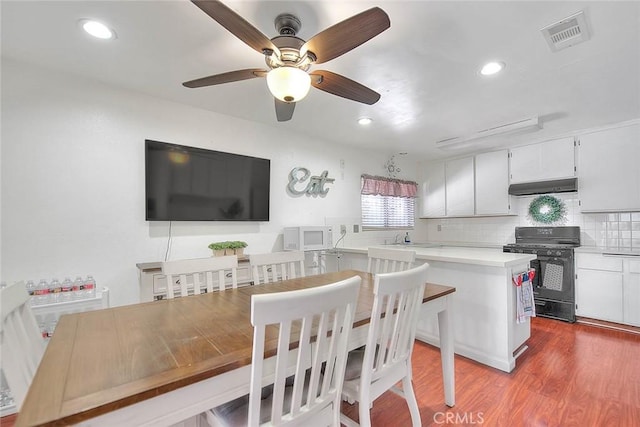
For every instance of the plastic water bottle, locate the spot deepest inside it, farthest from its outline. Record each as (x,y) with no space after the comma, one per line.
(65,294)
(42,326)
(77,288)
(42,293)
(90,287)
(54,291)
(31,290)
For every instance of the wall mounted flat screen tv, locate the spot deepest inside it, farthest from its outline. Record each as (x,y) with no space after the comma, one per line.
(193,184)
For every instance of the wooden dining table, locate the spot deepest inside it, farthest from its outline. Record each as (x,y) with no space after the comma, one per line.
(162,362)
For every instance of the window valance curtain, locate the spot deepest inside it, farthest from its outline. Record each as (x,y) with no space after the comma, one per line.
(382,186)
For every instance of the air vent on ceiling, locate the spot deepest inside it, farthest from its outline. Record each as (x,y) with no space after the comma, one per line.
(459,142)
(567,32)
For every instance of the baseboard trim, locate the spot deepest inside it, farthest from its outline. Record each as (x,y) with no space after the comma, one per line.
(608,325)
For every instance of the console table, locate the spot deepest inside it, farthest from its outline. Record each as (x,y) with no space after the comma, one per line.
(153,284)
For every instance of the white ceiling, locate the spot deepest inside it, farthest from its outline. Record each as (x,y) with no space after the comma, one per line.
(425,66)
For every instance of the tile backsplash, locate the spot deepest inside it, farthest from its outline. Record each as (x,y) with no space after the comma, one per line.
(607,230)
(614,230)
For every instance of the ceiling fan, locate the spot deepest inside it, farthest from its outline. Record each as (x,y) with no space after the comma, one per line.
(289,57)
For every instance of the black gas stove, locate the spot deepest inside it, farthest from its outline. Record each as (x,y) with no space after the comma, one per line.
(554,282)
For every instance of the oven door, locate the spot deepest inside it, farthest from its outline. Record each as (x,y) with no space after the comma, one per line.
(554,279)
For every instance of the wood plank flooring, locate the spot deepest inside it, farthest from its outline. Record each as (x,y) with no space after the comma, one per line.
(571,375)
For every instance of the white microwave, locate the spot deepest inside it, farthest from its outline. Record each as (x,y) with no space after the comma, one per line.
(309,238)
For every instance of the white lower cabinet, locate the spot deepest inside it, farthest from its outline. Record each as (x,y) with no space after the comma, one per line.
(632,293)
(608,288)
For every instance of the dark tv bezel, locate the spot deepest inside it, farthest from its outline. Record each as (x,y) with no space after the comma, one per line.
(205,151)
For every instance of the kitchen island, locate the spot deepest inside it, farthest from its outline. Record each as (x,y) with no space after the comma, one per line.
(484,304)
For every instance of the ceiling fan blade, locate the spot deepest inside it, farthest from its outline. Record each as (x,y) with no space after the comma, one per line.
(341,86)
(236,25)
(231,76)
(346,35)
(284,110)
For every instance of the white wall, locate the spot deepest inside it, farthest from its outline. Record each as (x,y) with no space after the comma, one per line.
(73,179)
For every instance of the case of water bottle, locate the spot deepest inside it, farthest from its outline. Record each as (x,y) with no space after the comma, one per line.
(60,299)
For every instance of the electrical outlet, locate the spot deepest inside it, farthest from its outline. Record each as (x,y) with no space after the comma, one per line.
(343,229)
(439,227)
(356,228)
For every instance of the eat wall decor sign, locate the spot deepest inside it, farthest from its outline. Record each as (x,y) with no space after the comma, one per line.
(302,182)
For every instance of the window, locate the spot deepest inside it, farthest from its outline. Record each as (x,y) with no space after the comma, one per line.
(387,203)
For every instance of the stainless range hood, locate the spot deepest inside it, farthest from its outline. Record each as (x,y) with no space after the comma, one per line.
(543,187)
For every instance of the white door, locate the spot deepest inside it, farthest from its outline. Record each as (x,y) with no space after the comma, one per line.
(543,161)
(460,187)
(492,183)
(599,295)
(609,170)
(632,293)
(432,196)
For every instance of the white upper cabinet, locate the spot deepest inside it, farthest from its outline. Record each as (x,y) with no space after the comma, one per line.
(543,161)
(609,170)
(432,196)
(459,178)
(492,183)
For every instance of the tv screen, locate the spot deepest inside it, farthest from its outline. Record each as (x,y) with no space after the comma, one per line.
(194,184)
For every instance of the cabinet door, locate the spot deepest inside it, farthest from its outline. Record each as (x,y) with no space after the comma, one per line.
(460,187)
(492,183)
(543,161)
(432,197)
(599,295)
(608,172)
(632,293)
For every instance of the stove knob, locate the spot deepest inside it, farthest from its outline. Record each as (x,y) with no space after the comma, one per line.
(549,252)
(558,253)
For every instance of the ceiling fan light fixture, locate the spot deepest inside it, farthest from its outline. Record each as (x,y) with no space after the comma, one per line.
(288,84)
(491,68)
(97,29)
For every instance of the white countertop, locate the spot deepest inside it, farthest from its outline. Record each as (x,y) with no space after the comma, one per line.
(464,255)
(608,251)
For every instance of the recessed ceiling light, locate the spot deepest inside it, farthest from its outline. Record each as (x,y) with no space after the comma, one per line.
(97,29)
(364,120)
(492,68)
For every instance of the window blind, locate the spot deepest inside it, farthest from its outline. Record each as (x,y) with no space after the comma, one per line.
(387,203)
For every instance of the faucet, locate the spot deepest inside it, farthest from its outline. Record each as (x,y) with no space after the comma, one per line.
(396,240)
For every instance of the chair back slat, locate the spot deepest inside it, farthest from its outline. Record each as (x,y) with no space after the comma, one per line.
(385,359)
(211,274)
(319,319)
(21,342)
(391,336)
(275,266)
(389,260)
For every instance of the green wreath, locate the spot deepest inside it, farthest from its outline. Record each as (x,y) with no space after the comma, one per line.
(547,209)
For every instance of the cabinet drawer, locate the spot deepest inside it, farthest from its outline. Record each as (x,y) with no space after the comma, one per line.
(598,262)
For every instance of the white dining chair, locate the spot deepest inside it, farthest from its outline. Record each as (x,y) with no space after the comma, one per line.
(386,357)
(389,260)
(275,266)
(21,341)
(213,274)
(306,384)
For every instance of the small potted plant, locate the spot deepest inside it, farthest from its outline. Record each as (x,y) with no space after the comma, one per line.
(238,247)
(218,248)
(228,248)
